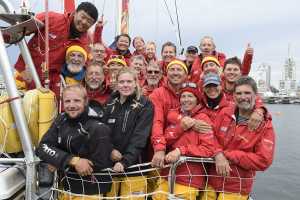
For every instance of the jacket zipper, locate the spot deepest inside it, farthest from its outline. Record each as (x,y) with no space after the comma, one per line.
(125,120)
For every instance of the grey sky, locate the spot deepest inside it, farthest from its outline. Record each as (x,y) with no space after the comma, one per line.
(269,25)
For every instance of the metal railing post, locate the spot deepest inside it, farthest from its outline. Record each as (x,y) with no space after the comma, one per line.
(20,120)
(183,159)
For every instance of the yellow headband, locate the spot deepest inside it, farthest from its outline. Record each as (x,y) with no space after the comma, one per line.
(76,48)
(180,63)
(117,60)
(210,59)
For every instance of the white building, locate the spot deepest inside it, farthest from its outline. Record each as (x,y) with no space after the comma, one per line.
(287,86)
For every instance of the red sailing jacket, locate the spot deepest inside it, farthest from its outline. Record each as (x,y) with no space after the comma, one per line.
(247,151)
(163,98)
(99,96)
(59,41)
(190,143)
(163,65)
(213,113)
(148,90)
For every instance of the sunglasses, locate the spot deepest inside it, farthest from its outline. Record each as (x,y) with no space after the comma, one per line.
(189,84)
(116,56)
(153,72)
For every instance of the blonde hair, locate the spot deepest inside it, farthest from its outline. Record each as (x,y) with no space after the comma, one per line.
(125,70)
(151,43)
(77,87)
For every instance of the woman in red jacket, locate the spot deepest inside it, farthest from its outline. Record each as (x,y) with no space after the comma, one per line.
(183,140)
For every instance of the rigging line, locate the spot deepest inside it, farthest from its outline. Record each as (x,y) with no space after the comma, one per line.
(169,13)
(103,7)
(178,27)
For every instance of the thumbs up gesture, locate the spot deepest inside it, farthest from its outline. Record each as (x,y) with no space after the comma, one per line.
(249,49)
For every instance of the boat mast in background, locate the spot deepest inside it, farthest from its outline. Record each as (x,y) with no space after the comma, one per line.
(123,17)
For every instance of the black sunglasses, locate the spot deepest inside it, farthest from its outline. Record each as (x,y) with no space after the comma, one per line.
(153,72)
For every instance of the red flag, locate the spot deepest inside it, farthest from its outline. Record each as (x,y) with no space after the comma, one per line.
(69,6)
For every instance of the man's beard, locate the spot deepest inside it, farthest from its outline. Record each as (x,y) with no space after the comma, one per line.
(245,106)
(152,82)
(74,68)
(94,85)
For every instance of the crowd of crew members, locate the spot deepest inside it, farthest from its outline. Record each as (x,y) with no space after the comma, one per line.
(153,110)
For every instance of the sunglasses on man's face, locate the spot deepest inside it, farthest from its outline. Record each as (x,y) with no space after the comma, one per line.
(153,72)
(189,84)
(117,56)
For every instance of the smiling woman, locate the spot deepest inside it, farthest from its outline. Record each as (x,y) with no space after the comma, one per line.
(129,115)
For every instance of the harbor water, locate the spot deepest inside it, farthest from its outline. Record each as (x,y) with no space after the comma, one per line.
(282,180)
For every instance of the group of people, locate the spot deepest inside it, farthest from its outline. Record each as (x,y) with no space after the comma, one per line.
(121,108)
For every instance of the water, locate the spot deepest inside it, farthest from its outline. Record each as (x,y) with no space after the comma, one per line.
(282,180)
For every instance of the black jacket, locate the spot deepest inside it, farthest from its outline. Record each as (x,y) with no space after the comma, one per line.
(131,124)
(85,137)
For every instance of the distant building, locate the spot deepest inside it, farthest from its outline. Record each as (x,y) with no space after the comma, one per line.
(287,86)
(262,77)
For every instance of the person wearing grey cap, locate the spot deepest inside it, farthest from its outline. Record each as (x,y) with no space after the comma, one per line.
(213,97)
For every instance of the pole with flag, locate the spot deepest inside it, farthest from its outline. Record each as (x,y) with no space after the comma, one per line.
(124,17)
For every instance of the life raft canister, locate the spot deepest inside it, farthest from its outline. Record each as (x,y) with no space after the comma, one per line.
(40,111)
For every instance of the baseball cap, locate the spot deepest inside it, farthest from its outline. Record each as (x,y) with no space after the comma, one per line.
(192,49)
(211,78)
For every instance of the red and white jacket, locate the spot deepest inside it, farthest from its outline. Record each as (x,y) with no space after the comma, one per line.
(163,98)
(190,143)
(247,151)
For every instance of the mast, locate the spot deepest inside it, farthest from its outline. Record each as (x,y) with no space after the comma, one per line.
(123,17)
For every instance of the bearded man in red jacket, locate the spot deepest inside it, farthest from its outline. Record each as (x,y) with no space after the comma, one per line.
(240,151)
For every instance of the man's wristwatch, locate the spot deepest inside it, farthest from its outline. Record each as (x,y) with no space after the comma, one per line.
(74,161)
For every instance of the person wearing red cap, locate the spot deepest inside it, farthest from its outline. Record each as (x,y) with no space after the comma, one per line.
(241,152)
(64,30)
(183,140)
(165,98)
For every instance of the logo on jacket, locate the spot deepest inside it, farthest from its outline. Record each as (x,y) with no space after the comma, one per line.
(111,121)
(48,150)
(223,128)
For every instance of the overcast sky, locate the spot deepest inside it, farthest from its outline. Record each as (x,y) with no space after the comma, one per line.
(269,25)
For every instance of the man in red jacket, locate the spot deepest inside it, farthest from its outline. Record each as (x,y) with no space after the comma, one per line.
(240,152)
(154,78)
(165,98)
(97,90)
(64,30)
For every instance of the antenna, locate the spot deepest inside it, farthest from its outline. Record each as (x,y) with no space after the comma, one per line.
(289,50)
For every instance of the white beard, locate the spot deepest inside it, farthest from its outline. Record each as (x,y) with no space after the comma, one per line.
(74,68)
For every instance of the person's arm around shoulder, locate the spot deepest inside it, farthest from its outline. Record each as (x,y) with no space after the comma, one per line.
(262,156)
